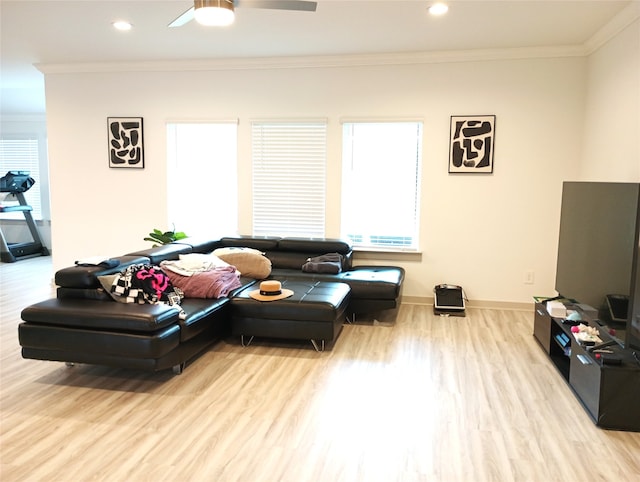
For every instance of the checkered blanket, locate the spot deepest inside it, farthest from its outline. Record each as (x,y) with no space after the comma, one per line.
(145,283)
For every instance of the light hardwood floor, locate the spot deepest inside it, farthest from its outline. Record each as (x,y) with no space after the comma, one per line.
(408,397)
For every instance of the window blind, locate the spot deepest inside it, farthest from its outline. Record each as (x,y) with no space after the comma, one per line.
(23,155)
(289,176)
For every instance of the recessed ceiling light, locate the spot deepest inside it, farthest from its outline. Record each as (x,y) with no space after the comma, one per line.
(438,9)
(122,25)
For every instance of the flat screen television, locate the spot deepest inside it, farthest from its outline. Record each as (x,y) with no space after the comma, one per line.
(598,253)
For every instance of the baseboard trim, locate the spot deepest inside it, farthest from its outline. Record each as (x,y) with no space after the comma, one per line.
(487,304)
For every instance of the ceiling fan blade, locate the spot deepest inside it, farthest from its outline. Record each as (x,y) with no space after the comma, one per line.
(299,5)
(186,17)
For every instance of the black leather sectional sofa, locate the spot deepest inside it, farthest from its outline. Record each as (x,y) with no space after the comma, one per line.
(83,324)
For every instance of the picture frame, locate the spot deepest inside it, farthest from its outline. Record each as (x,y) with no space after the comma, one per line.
(126,143)
(472,144)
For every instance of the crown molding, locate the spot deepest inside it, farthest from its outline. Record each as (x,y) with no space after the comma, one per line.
(622,20)
(399,58)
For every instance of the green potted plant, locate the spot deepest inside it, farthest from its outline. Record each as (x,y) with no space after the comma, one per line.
(158,237)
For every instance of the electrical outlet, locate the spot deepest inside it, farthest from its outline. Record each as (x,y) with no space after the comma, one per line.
(529,277)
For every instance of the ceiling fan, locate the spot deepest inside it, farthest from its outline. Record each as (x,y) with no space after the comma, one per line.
(221,12)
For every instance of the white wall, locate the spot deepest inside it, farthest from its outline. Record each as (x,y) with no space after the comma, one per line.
(480,231)
(612,120)
(558,119)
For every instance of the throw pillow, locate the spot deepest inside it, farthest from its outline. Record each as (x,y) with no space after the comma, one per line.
(250,262)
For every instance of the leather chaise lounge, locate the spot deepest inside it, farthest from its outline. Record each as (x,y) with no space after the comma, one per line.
(83,324)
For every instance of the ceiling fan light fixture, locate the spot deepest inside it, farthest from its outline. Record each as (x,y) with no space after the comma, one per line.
(122,25)
(214,13)
(438,8)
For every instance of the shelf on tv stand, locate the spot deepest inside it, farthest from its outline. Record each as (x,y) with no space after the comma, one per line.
(609,393)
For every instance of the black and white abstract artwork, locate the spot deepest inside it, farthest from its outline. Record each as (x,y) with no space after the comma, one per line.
(471,147)
(125,142)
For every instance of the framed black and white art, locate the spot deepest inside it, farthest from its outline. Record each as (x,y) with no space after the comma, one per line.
(471,144)
(126,148)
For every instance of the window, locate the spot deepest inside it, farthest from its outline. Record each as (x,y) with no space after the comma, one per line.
(202,178)
(289,166)
(23,155)
(381,183)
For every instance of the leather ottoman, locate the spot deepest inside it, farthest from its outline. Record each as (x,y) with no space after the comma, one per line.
(316,311)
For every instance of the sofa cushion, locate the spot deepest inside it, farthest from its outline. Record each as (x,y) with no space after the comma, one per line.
(83,293)
(366,282)
(93,314)
(372,282)
(287,259)
(314,245)
(261,243)
(158,254)
(293,252)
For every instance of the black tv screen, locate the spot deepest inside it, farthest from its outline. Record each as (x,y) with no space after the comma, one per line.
(598,249)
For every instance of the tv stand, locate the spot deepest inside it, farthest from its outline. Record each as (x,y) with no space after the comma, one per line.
(609,393)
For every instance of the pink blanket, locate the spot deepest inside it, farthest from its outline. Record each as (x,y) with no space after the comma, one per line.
(216,283)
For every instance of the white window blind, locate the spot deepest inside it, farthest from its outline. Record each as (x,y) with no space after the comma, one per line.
(202,181)
(23,155)
(289,176)
(381,164)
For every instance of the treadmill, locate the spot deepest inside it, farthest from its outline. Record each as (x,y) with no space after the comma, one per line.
(17,183)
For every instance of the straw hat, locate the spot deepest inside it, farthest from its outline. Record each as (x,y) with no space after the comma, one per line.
(270,290)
